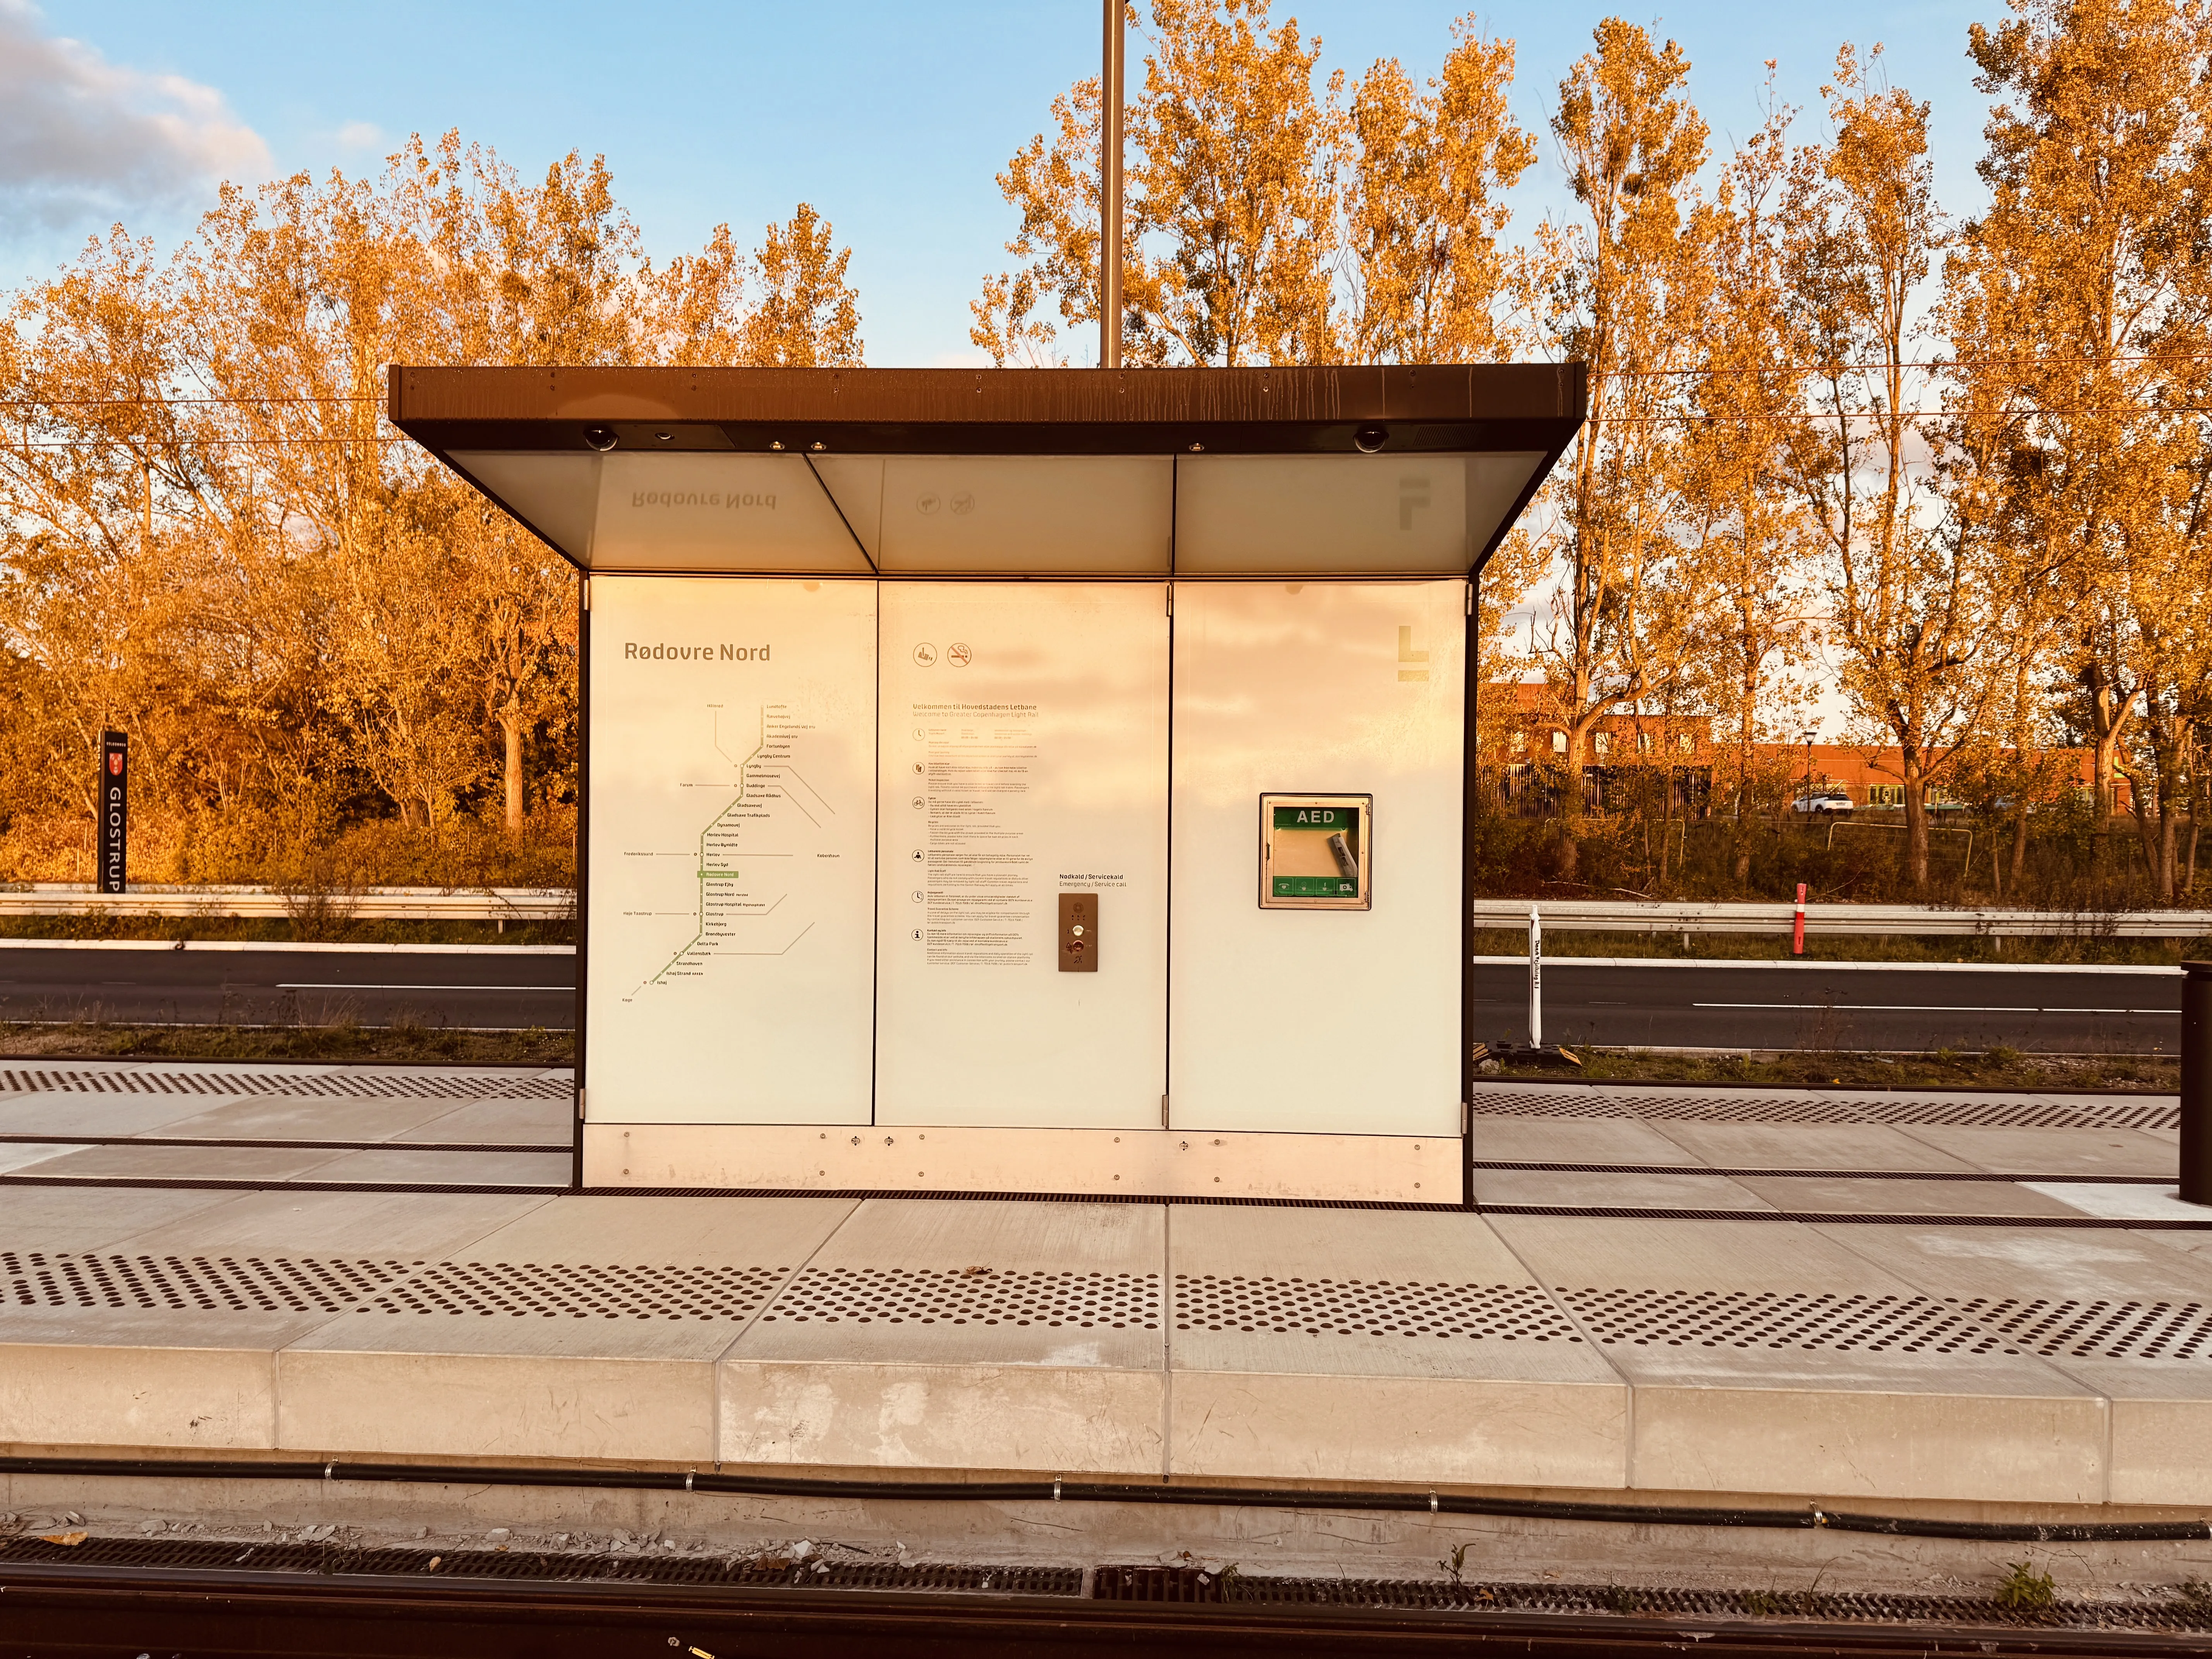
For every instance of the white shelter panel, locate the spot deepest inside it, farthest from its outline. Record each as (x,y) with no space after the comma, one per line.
(717,511)
(1341,1021)
(1078,515)
(731,897)
(1342,514)
(1023,796)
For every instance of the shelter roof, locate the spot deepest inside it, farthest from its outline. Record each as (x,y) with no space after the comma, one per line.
(1350,470)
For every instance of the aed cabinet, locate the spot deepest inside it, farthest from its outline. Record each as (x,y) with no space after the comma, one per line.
(960,816)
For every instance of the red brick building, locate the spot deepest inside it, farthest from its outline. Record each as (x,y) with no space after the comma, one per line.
(1526,743)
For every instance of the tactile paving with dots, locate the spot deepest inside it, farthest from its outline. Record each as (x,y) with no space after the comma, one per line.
(1722,1106)
(557,1291)
(1351,1307)
(380,1086)
(1778,1319)
(2084,1329)
(970,1296)
(2099,1329)
(35,1278)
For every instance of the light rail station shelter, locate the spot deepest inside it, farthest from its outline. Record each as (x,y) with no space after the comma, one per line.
(1043,781)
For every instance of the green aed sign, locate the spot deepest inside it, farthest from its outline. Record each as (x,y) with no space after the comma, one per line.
(1314,853)
(1345,819)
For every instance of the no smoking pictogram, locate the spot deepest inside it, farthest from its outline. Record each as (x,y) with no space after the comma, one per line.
(958,654)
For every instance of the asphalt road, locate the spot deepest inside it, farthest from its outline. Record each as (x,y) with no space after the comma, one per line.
(1667,1005)
(204,987)
(1827,1005)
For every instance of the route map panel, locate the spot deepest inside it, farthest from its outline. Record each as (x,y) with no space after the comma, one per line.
(730,956)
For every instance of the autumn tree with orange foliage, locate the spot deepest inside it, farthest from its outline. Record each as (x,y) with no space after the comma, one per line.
(1622,288)
(2079,304)
(1267,223)
(213,541)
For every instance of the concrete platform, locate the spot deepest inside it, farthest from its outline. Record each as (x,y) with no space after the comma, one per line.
(1689,1298)
(1837,1362)
(124,1122)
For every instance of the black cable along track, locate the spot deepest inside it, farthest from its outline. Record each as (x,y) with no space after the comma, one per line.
(1806,1518)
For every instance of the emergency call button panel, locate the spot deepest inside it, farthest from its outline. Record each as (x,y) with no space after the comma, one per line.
(1315,852)
(1079,932)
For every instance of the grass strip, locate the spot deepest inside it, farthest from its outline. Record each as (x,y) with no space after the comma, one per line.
(340,1042)
(1942,1069)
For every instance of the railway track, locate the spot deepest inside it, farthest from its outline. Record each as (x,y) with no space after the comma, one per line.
(123,1596)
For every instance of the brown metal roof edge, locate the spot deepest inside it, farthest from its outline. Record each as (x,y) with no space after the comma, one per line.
(1441,393)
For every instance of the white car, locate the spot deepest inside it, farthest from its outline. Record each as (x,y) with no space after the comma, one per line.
(1828,801)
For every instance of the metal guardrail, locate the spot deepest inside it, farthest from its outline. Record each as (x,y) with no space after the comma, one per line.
(55,898)
(1567,916)
(1631,916)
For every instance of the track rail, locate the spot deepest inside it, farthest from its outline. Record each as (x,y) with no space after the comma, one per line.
(61,1610)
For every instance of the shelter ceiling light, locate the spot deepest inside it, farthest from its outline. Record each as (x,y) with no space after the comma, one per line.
(1370,440)
(601,438)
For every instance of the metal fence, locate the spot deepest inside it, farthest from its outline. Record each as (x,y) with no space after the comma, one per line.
(363,904)
(1632,916)
(1570,916)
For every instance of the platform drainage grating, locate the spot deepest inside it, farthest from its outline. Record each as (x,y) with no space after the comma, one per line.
(1722,1106)
(2148,1610)
(973,1295)
(1325,1307)
(398,1085)
(644,1563)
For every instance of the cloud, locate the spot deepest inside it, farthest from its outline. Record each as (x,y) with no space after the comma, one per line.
(82,138)
(360,135)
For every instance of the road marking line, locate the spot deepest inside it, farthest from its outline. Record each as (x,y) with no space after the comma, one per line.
(1929,1008)
(564,990)
(1815,965)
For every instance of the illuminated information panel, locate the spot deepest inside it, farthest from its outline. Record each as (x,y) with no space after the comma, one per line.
(1024,770)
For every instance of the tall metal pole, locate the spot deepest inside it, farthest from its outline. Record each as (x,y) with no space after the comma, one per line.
(1109,180)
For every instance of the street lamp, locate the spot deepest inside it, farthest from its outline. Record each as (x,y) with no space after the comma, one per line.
(1109,181)
(1809,736)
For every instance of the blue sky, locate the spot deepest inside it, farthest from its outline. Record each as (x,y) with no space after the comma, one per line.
(891,120)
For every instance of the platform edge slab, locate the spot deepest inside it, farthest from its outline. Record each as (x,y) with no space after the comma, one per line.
(873,1415)
(520,1406)
(1869,1443)
(107,1394)
(1457,1431)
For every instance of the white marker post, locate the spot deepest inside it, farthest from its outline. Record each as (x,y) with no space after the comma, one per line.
(1535,979)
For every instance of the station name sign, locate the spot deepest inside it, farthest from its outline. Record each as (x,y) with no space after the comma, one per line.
(634,651)
(728,500)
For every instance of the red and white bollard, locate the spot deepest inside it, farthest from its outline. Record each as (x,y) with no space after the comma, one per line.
(1797,928)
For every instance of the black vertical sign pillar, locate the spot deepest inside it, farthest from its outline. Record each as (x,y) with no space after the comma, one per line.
(115,810)
(2196,1082)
